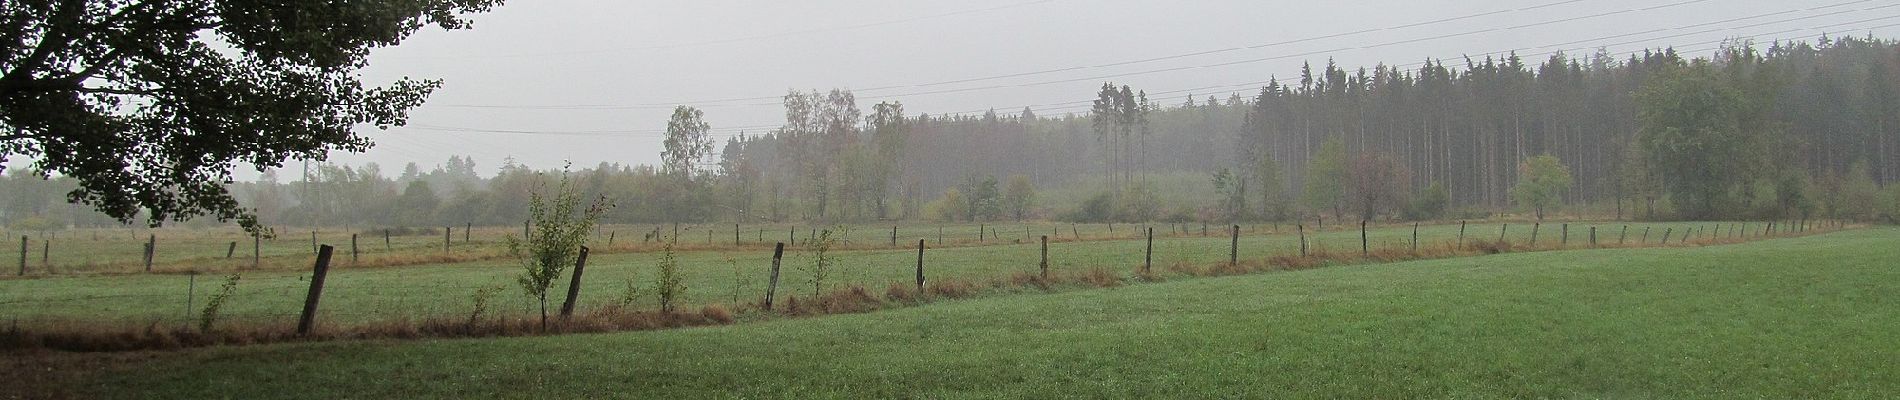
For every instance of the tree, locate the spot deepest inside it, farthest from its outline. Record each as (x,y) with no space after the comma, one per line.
(984,200)
(1273,198)
(1430,203)
(1018,196)
(416,206)
(560,226)
(688,140)
(1233,194)
(1541,181)
(1691,128)
(149,105)
(1324,176)
(1374,185)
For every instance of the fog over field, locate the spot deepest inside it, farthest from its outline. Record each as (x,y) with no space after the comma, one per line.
(593,81)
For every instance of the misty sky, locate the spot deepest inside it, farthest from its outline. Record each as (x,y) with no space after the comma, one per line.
(594,80)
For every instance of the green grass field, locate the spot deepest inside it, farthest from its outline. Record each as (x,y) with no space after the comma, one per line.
(1807,317)
(719,274)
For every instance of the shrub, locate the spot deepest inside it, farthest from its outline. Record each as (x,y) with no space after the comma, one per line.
(210,314)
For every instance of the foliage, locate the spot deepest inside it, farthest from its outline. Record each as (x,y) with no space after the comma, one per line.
(669,285)
(948,208)
(1430,204)
(1375,184)
(1272,187)
(1018,196)
(209,315)
(560,228)
(1324,186)
(1859,196)
(1541,182)
(688,140)
(1233,194)
(1692,131)
(149,105)
(822,260)
(1137,203)
(982,200)
(478,303)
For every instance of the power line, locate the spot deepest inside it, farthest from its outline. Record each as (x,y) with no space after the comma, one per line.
(1066,69)
(758,101)
(1083,103)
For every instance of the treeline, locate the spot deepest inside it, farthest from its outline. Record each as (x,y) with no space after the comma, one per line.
(1795,129)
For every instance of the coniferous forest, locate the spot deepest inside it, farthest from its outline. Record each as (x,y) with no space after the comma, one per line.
(1777,131)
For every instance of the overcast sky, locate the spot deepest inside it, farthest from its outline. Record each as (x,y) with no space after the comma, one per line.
(594,80)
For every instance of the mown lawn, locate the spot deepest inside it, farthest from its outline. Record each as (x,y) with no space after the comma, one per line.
(1793,318)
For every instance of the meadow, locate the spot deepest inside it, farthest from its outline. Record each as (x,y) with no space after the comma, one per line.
(1801,317)
(410,279)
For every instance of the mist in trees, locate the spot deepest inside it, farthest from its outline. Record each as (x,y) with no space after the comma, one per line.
(1790,130)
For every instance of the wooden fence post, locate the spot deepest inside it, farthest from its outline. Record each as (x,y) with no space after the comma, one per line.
(447,235)
(1501,230)
(23,256)
(574,285)
(793,235)
(151,251)
(1233,246)
(1534,227)
(1593,237)
(468,227)
(1645,240)
(230,250)
(308,319)
(893,235)
(1148,256)
(353,249)
(1621,236)
(313,242)
(1045,258)
(1365,246)
(979,233)
(1666,234)
(920,268)
(46,255)
(1302,228)
(386,246)
(1415,237)
(1461,234)
(735,234)
(1565,241)
(771,288)
(257,250)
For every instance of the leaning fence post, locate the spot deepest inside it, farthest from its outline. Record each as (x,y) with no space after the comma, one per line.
(1045,257)
(1302,228)
(574,286)
(1233,247)
(1501,230)
(1621,236)
(1365,246)
(1461,234)
(1645,240)
(1666,233)
(309,317)
(1148,256)
(920,267)
(771,288)
(1534,227)
(1414,237)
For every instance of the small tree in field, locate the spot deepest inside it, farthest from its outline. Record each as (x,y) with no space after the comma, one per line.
(1540,182)
(560,227)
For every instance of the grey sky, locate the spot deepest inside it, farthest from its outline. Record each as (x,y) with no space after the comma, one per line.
(596,79)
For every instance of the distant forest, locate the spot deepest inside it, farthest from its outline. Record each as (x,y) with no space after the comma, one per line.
(1791,130)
